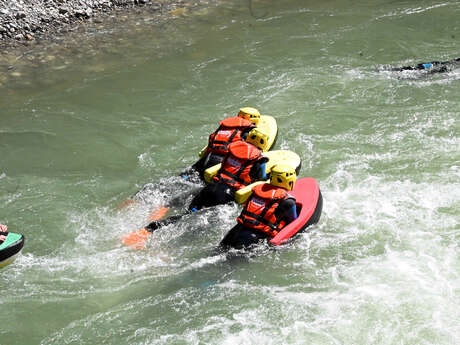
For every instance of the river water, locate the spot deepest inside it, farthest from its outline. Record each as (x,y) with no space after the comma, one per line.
(87,122)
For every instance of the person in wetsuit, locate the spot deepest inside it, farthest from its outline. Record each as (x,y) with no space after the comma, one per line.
(269,208)
(243,165)
(432,67)
(230,130)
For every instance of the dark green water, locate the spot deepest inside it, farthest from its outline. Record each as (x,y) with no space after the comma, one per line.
(86,123)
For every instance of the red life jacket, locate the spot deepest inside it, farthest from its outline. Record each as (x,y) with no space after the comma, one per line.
(259,210)
(237,164)
(230,130)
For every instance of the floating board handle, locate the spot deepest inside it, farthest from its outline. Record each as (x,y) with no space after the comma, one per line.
(209,173)
(244,193)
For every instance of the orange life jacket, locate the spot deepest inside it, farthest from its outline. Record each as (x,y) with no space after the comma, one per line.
(259,210)
(230,130)
(237,164)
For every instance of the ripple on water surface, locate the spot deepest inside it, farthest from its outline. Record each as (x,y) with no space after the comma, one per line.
(381,267)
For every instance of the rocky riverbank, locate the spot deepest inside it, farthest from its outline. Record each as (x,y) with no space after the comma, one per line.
(49,40)
(23,21)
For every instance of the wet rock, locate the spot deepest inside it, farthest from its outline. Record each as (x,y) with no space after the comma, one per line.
(20,19)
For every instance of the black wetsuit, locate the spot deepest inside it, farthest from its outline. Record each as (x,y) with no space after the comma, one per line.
(432,67)
(240,236)
(205,162)
(213,194)
(220,193)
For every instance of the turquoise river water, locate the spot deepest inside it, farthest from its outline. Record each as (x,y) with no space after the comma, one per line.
(88,121)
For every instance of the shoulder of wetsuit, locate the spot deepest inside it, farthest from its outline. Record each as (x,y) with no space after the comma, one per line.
(285,206)
(255,168)
(263,159)
(288,202)
(254,172)
(246,131)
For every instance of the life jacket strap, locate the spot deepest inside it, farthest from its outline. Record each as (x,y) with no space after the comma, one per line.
(224,143)
(259,218)
(236,177)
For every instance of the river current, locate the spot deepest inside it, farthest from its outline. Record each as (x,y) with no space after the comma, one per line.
(87,122)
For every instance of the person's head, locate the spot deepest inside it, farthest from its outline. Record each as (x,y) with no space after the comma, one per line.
(284,176)
(251,114)
(258,138)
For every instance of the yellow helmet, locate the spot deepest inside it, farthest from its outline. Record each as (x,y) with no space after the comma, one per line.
(283,175)
(251,114)
(258,138)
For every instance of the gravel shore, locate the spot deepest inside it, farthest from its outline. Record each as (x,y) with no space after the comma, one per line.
(22,21)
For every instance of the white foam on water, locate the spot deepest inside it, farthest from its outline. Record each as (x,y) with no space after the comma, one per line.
(420,78)
(381,267)
(96,261)
(391,256)
(384,246)
(414,10)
